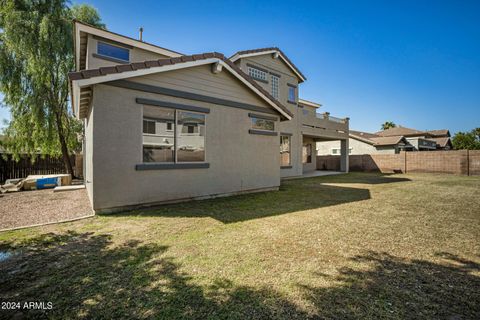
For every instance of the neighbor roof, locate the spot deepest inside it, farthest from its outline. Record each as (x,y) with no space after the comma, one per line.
(261,51)
(399,131)
(375,139)
(387,141)
(439,133)
(442,141)
(89,77)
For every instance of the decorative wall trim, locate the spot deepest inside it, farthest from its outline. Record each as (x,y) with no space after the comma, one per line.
(286,134)
(170,166)
(186,95)
(291,85)
(291,102)
(263,133)
(261,116)
(286,167)
(172,105)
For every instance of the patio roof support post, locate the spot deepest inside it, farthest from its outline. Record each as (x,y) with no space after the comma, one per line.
(344,151)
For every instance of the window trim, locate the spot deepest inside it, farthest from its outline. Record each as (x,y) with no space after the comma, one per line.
(262,117)
(294,87)
(277,82)
(175,164)
(266,72)
(106,57)
(289,136)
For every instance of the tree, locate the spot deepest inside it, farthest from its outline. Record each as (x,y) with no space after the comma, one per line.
(36,53)
(467,140)
(388,124)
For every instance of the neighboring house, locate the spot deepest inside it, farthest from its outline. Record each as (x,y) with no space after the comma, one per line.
(161,126)
(390,141)
(421,140)
(366,143)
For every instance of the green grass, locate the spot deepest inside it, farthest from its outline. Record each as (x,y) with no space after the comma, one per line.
(349,246)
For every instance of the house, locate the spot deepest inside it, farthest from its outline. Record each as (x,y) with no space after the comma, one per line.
(390,141)
(421,140)
(366,143)
(161,126)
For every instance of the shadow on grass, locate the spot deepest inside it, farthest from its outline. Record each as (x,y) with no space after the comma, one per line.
(395,288)
(294,195)
(89,276)
(365,178)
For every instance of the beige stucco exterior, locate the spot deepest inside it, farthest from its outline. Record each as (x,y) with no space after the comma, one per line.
(239,161)
(94,61)
(236,158)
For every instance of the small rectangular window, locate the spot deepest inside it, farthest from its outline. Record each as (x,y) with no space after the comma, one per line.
(291,94)
(275,89)
(257,74)
(149,126)
(285,159)
(263,124)
(112,51)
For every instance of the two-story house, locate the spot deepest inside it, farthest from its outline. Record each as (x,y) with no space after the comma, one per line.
(161,126)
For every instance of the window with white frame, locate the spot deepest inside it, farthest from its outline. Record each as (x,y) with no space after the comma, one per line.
(171,135)
(275,89)
(257,74)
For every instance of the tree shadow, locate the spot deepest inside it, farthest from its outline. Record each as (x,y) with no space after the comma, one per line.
(88,276)
(396,288)
(294,195)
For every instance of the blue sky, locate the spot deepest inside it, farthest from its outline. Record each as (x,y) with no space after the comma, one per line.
(416,63)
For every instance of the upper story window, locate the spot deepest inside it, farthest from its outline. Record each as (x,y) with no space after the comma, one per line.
(257,74)
(292,97)
(275,81)
(112,51)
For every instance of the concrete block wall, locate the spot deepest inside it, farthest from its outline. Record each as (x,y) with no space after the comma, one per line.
(461,162)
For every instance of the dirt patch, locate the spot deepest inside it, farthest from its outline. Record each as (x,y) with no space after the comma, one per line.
(28,208)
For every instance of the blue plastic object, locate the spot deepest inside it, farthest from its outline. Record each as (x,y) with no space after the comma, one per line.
(46,183)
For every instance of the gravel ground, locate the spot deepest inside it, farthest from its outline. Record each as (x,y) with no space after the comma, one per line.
(26,208)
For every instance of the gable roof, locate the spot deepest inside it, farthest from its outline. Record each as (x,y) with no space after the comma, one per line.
(442,142)
(439,133)
(399,131)
(86,78)
(375,139)
(262,51)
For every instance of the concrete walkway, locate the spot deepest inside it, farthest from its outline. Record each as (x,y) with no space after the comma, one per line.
(316,173)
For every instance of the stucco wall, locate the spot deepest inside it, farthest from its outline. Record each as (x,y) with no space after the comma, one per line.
(239,161)
(358,147)
(136,55)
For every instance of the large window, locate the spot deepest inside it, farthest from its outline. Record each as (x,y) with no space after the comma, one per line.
(190,136)
(263,124)
(257,74)
(112,51)
(291,94)
(275,81)
(285,159)
(162,143)
(307,153)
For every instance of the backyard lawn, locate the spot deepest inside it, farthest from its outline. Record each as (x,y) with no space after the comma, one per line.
(347,246)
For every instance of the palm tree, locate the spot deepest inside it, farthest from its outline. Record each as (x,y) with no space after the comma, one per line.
(388,125)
